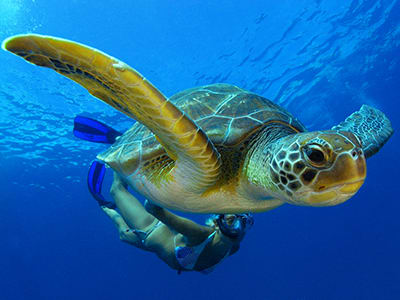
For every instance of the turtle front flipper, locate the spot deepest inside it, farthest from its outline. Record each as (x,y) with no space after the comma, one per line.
(197,162)
(371,126)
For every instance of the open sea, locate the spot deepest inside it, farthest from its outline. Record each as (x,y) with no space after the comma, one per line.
(319,59)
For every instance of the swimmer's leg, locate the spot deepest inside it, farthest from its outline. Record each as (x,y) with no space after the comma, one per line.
(125,234)
(131,209)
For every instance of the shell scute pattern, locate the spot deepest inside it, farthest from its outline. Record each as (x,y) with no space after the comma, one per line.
(226,113)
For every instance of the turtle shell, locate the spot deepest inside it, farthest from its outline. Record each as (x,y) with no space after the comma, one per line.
(226,113)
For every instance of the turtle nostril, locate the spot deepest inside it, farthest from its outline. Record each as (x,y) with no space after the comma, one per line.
(354,153)
(360,152)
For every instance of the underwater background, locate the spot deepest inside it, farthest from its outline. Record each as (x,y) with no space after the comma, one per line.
(321,60)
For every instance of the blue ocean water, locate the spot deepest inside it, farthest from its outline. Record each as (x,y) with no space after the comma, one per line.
(319,59)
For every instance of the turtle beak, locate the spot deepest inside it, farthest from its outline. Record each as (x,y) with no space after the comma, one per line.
(340,182)
(351,188)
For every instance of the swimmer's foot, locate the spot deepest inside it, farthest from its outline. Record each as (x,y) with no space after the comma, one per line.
(95,179)
(108,204)
(94,131)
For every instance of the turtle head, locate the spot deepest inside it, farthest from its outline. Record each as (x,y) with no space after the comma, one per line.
(321,168)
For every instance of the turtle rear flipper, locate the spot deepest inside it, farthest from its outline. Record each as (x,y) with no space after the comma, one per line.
(371,126)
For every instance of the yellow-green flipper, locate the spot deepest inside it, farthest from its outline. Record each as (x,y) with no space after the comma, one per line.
(120,86)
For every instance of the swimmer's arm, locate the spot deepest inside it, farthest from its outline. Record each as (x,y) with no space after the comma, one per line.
(194,232)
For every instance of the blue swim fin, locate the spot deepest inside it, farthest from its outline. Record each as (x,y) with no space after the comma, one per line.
(95,179)
(94,131)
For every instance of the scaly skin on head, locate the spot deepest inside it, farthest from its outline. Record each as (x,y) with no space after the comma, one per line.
(320,168)
(260,156)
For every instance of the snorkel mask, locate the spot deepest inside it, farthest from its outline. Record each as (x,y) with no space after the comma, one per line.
(236,225)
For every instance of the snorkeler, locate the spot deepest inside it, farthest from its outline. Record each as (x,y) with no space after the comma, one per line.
(181,243)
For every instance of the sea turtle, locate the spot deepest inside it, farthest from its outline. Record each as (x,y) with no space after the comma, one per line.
(215,148)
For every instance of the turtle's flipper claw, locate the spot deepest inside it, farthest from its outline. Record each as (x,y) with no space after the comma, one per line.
(371,126)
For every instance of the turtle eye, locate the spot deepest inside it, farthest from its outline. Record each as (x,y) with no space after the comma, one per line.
(314,154)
